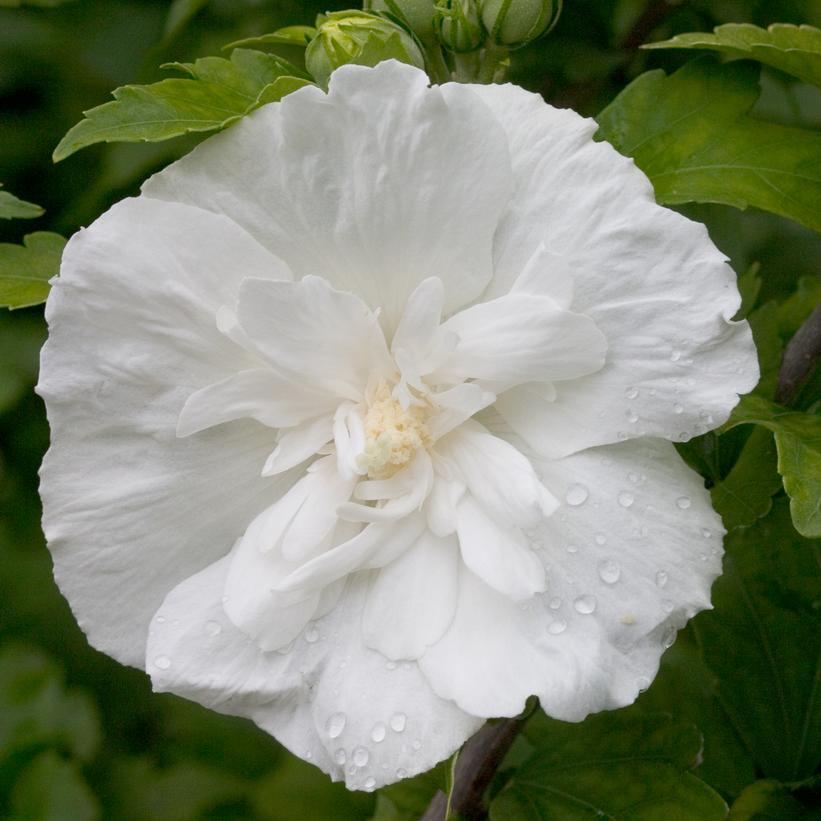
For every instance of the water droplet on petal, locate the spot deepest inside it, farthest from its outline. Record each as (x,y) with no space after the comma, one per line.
(398,722)
(601,539)
(631,393)
(336,724)
(683,502)
(571,548)
(557,626)
(632,416)
(390,665)
(576,495)
(669,637)
(378,732)
(213,628)
(340,757)
(667,606)
(163,662)
(417,744)
(311,634)
(361,756)
(585,604)
(370,784)
(626,499)
(675,356)
(642,682)
(661,578)
(400,773)
(706,533)
(609,571)
(555,603)
(678,408)
(160,619)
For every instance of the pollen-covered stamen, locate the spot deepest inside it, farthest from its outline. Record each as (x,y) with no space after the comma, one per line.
(392,434)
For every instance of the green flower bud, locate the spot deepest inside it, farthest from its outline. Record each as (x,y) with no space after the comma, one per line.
(357,37)
(417,15)
(458,26)
(516,22)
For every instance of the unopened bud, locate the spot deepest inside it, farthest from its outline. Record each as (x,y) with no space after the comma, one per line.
(516,22)
(417,15)
(458,26)
(361,38)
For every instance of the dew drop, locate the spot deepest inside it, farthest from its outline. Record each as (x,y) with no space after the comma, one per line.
(398,722)
(576,495)
(642,682)
(706,533)
(390,665)
(557,626)
(555,603)
(669,637)
(378,732)
(585,604)
(571,548)
(632,416)
(683,502)
(160,619)
(626,499)
(400,773)
(361,756)
(370,784)
(661,578)
(678,408)
(336,724)
(311,634)
(601,539)
(631,393)
(417,744)
(340,757)
(675,356)
(667,606)
(163,662)
(609,571)
(213,628)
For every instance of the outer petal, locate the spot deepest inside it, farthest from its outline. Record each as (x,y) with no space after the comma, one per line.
(629,559)
(129,509)
(651,280)
(412,601)
(376,186)
(328,698)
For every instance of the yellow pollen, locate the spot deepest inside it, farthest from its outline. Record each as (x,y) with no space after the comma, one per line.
(392,434)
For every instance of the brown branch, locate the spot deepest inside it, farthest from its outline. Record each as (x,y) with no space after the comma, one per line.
(650,19)
(475,767)
(800,357)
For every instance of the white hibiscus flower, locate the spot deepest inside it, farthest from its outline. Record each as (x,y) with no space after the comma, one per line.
(362,416)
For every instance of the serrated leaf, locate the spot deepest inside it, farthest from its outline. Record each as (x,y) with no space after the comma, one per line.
(53,789)
(798,441)
(619,766)
(13,208)
(26,269)
(288,36)
(217,93)
(745,494)
(691,133)
(793,49)
(763,643)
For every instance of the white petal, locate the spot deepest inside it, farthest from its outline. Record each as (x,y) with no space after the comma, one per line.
(258,393)
(327,698)
(440,507)
(521,338)
(546,274)
(360,185)
(328,338)
(457,405)
(298,444)
(420,320)
(487,662)
(499,555)
(498,475)
(349,438)
(651,280)
(129,508)
(412,600)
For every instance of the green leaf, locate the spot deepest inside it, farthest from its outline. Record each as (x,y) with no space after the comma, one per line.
(798,440)
(217,93)
(617,765)
(749,286)
(288,36)
(692,135)
(770,800)
(793,49)
(53,789)
(26,269)
(799,305)
(763,643)
(745,494)
(765,327)
(13,208)
(180,14)
(36,710)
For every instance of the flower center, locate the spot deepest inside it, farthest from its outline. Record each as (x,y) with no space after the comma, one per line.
(392,434)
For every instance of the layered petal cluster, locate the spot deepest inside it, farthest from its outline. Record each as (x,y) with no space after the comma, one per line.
(362,418)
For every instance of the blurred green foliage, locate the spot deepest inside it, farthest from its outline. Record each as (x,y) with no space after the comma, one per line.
(82,737)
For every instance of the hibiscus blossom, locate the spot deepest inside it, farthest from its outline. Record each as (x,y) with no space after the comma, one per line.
(362,420)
